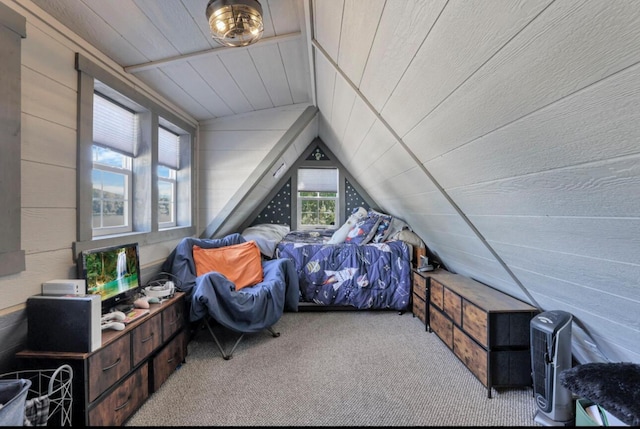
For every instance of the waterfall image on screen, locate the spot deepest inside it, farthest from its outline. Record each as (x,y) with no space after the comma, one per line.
(122,270)
(110,273)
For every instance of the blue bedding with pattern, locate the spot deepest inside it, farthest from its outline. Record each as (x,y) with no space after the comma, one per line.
(370,276)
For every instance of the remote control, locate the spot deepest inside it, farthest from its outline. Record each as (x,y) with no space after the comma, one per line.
(117,326)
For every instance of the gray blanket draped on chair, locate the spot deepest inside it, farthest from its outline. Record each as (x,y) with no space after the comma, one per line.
(251,309)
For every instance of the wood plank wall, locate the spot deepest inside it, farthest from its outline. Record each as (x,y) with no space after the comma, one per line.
(48,182)
(506,134)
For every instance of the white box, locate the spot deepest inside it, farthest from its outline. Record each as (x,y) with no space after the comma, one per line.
(64,287)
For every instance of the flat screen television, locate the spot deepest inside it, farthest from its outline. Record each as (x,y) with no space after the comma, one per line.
(111,272)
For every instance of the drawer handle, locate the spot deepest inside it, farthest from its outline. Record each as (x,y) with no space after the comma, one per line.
(176,320)
(170,360)
(148,338)
(116,363)
(123,405)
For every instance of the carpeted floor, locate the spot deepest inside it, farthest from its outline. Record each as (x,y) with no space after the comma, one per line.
(341,368)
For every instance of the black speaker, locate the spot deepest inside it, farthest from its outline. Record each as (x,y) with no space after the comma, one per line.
(64,323)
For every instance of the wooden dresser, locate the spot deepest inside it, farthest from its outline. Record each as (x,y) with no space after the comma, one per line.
(485,328)
(111,383)
(420,297)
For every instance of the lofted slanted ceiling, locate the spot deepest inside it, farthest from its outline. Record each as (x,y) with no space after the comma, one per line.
(503,131)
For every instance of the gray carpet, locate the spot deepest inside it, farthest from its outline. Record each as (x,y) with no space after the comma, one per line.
(341,368)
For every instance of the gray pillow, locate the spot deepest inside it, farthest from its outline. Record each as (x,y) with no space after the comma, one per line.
(396,226)
(267,236)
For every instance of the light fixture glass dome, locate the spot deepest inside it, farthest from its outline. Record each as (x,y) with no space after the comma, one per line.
(235,22)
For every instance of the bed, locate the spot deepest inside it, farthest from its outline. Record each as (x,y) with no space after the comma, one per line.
(361,265)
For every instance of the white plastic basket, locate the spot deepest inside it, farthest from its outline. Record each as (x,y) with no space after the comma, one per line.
(55,385)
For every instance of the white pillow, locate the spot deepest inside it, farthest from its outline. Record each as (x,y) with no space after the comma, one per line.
(341,234)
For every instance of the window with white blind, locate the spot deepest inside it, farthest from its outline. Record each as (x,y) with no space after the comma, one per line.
(115,131)
(168,164)
(134,171)
(317,201)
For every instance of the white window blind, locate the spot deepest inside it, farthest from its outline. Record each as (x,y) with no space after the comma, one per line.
(318,179)
(114,126)
(168,144)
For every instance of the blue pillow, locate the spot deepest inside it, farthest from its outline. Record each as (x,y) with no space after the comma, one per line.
(382,231)
(363,230)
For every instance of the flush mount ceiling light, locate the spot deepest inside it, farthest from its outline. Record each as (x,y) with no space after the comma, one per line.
(235,22)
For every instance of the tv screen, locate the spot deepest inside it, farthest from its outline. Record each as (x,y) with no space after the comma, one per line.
(111,272)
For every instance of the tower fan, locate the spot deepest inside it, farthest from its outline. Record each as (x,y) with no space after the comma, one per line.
(550,355)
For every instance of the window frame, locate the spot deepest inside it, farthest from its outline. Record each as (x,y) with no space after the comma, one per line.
(171,181)
(173,184)
(145,227)
(300,199)
(128,174)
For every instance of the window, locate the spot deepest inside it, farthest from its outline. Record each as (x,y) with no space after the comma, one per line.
(317,197)
(115,131)
(168,162)
(134,170)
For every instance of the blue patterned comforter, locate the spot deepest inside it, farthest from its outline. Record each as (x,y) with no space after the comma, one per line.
(371,276)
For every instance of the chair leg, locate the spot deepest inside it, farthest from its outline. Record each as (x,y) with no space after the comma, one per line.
(273,333)
(230,354)
(215,338)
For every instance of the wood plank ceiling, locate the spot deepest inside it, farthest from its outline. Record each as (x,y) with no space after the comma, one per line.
(167,44)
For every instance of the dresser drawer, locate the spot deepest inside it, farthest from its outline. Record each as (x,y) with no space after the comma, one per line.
(453,306)
(172,319)
(116,407)
(510,329)
(475,322)
(419,308)
(437,293)
(471,354)
(108,365)
(146,338)
(441,326)
(168,359)
(511,368)
(420,286)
